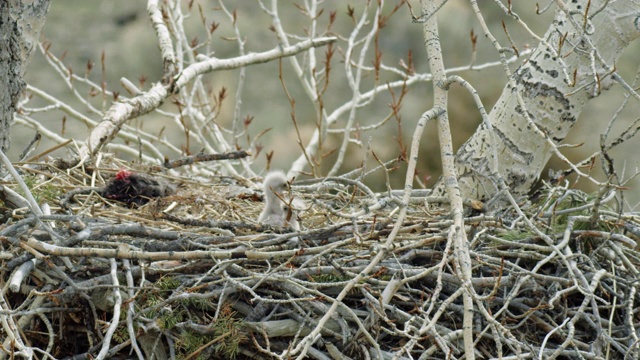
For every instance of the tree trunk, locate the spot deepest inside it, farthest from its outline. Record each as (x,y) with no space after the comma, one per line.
(541,92)
(20,25)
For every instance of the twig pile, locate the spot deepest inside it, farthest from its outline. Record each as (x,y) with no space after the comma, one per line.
(193,275)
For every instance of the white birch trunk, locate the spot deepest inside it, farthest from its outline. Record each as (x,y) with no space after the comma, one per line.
(515,149)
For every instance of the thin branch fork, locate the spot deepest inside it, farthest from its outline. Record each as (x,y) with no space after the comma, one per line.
(458,236)
(212,64)
(121,112)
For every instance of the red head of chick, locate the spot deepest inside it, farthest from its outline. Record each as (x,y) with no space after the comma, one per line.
(123,174)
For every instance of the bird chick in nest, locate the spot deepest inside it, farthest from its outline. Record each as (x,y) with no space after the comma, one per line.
(276,212)
(291,217)
(136,188)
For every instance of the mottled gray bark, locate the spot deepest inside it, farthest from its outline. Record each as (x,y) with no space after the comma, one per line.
(539,94)
(20,25)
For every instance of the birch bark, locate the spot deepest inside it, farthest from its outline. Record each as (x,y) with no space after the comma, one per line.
(545,96)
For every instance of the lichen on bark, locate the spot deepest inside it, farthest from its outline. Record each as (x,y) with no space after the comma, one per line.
(545,96)
(20,25)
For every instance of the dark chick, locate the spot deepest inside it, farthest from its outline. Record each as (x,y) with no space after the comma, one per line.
(135,188)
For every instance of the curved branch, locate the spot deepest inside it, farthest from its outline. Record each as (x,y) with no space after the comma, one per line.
(121,112)
(212,64)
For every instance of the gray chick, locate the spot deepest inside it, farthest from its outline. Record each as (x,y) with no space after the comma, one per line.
(275,183)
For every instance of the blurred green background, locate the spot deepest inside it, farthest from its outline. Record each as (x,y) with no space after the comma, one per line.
(82,30)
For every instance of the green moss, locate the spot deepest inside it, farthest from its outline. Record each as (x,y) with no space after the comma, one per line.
(514,235)
(329,278)
(42,193)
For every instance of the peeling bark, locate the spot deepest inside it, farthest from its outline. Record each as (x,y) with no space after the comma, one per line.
(20,25)
(541,92)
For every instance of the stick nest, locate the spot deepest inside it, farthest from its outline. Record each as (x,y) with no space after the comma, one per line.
(194,276)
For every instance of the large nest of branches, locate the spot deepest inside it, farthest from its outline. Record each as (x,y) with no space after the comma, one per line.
(188,273)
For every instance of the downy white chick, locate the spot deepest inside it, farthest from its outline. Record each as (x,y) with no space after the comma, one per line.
(274,214)
(291,217)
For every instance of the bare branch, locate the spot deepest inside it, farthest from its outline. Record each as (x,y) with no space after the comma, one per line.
(212,64)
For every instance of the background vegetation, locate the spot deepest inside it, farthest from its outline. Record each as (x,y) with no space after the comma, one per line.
(81,32)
